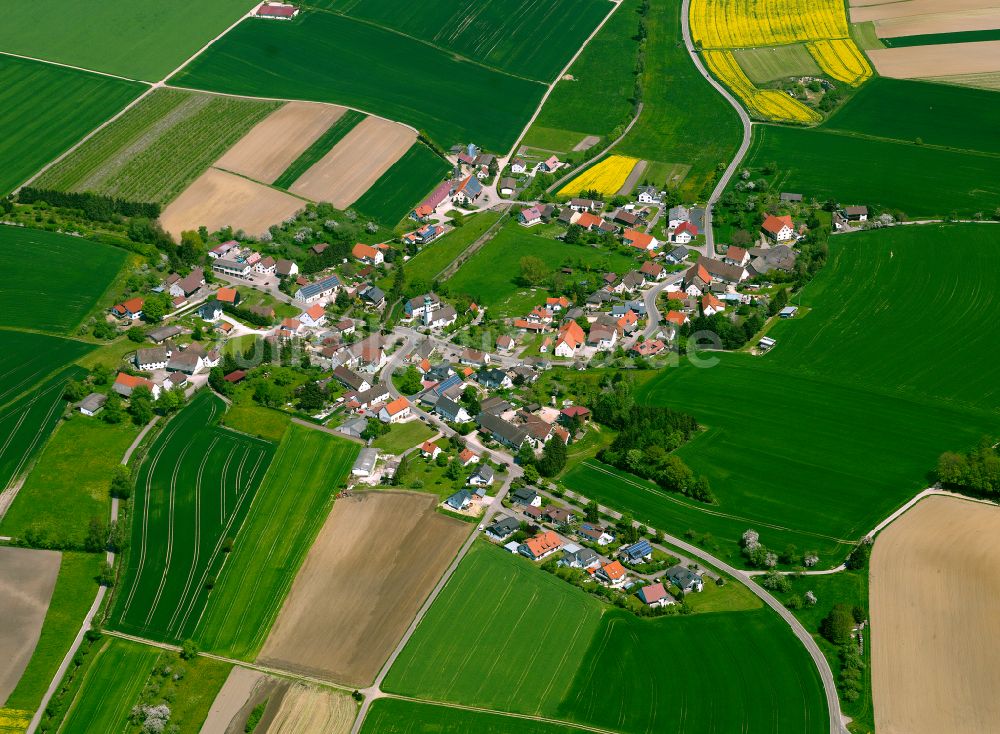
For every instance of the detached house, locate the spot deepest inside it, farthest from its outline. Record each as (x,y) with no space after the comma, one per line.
(124,385)
(368,254)
(737,256)
(541,546)
(530,217)
(467,190)
(684,579)
(570,338)
(655,595)
(315,315)
(394,412)
(613,575)
(639,240)
(649,195)
(313,292)
(684,233)
(130,309)
(550,166)
(779,229)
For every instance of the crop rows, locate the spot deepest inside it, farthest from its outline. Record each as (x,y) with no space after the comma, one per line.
(841,59)
(400,188)
(158,147)
(747,23)
(770,104)
(606,177)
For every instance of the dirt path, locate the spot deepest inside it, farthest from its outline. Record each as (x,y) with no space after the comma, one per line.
(235,692)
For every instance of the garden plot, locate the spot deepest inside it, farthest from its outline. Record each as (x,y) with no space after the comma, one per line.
(935,577)
(944,59)
(266,151)
(218,199)
(375,560)
(355,163)
(27,578)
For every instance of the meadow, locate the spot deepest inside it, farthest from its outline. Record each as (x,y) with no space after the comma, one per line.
(555,651)
(75,588)
(153,151)
(58,296)
(396,716)
(926,182)
(491,276)
(192,493)
(845,418)
(26,358)
(402,436)
(526,37)
(110,687)
(696,127)
(47,109)
(402,187)
(320,147)
(284,519)
(763,65)
(141,39)
(61,494)
(426,265)
(331,58)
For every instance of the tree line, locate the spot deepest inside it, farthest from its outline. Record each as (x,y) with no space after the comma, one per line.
(976,471)
(94,206)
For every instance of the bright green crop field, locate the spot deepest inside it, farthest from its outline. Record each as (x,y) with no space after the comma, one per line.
(141,39)
(605,72)
(332,58)
(320,147)
(490,276)
(26,358)
(555,651)
(58,296)
(529,38)
(193,491)
(287,513)
(393,196)
(396,716)
(111,686)
(153,151)
(48,108)
(763,65)
(845,418)
(76,586)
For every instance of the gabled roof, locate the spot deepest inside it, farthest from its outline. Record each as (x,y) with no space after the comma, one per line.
(397,406)
(362,251)
(686,227)
(543,543)
(653,593)
(775,224)
(614,571)
(226,295)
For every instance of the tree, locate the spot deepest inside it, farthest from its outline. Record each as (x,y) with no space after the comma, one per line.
(591,512)
(96,540)
(311,397)
(153,309)
(775,581)
(534,271)
(838,625)
(191,251)
(859,556)
(526,455)
(530,474)
(121,482)
(75,390)
(113,411)
(189,649)
(140,405)
(553,458)
(135,334)
(409,382)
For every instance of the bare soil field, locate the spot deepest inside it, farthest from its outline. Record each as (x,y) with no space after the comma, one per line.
(862,10)
(944,59)
(231,699)
(982,19)
(313,710)
(27,578)
(633,178)
(274,143)
(376,559)
(217,199)
(935,579)
(355,163)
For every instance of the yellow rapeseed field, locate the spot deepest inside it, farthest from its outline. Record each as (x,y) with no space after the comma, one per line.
(842,60)
(747,23)
(14,721)
(767,103)
(606,177)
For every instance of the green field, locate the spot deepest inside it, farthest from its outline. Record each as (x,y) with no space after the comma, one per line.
(76,586)
(490,276)
(332,58)
(192,492)
(422,270)
(111,686)
(319,148)
(604,72)
(402,436)
(62,493)
(395,716)
(142,39)
(524,37)
(684,119)
(27,358)
(402,187)
(287,513)
(256,420)
(767,64)
(59,295)
(931,39)
(153,151)
(845,418)
(555,651)
(47,109)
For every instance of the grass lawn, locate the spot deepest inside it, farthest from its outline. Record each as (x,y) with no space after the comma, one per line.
(684,119)
(257,421)
(522,37)
(192,492)
(60,295)
(780,457)
(588,662)
(490,276)
(394,716)
(76,586)
(319,148)
(62,493)
(402,436)
(325,57)
(111,686)
(603,71)
(777,62)
(284,518)
(402,187)
(48,109)
(733,597)
(153,151)
(142,39)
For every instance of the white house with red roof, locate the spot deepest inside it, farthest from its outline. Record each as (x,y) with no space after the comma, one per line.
(684,233)
(395,411)
(550,166)
(126,383)
(368,254)
(779,229)
(640,240)
(315,315)
(130,309)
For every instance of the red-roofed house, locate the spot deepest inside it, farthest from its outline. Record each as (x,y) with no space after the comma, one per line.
(571,337)
(395,411)
(315,315)
(655,595)
(639,240)
(126,383)
(710,305)
(648,348)
(429,450)
(627,323)
(613,575)
(557,304)
(368,254)
(276,11)
(588,221)
(541,546)
(737,256)
(684,233)
(228,295)
(676,317)
(575,411)
(289,328)
(552,164)
(467,457)
(130,309)
(653,270)
(779,229)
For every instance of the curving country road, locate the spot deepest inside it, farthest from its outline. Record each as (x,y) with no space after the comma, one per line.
(744,119)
